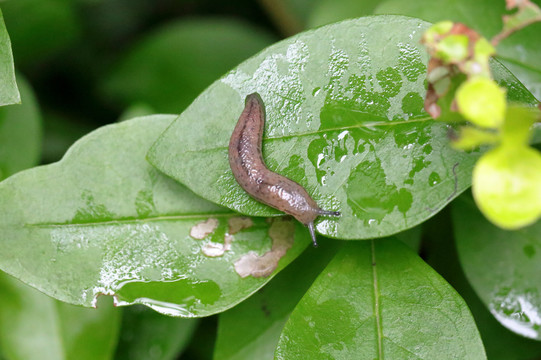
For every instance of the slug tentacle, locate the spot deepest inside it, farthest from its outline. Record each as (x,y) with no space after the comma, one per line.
(329,213)
(312,230)
(250,171)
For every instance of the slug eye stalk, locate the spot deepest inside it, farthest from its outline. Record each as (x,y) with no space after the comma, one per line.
(328,213)
(312,228)
(312,233)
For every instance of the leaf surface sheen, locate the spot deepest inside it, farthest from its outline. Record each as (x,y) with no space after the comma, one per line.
(502,266)
(345,119)
(379,300)
(251,330)
(103,221)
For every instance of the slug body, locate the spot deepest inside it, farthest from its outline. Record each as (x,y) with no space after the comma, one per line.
(256,179)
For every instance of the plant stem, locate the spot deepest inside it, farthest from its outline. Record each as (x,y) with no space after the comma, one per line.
(505,33)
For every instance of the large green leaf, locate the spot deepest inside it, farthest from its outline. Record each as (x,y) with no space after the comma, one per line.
(9,94)
(170,67)
(103,221)
(500,343)
(378,300)
(34,326)
(251,330)
(439,251)
(148,335)
(504,267)
(345,119)
(20,133)
(520,52)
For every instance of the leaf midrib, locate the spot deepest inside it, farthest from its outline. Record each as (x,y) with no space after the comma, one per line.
(322,131)
(132,220)
(362,125)
(377,305)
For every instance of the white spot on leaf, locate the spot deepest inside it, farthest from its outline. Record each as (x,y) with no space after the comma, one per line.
(237,224)
(203,229)
(213,249)
(282,233)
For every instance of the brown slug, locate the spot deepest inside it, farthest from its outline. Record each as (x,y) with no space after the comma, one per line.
(256,179)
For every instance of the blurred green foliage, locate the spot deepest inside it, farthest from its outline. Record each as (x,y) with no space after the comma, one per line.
(95,62)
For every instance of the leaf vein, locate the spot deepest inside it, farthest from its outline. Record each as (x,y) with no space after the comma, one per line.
(377,309)
(105,222)
(403,348)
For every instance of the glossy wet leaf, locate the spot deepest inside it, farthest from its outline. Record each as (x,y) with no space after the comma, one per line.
(20,133)
(103,221)
(35,326)
(148,335)
(9,94)
(177,62)
(345,119)
(378,300)
(503,267)
(500,343)
(251,330)
(506,186)
(439,251)
(520,53)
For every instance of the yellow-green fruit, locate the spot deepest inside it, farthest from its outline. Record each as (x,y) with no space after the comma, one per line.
(481,101)
(507,186)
